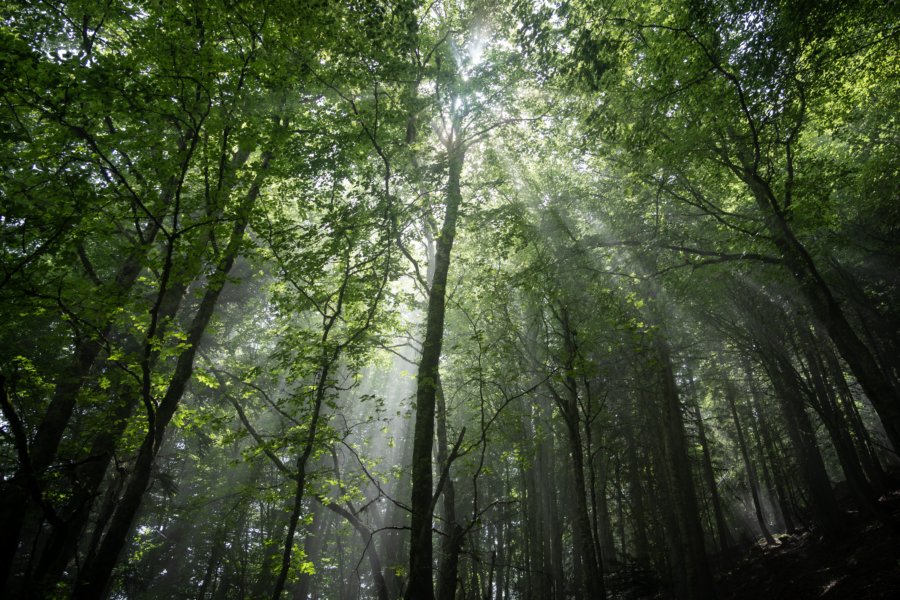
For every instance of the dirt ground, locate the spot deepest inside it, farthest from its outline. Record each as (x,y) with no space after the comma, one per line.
(865,564)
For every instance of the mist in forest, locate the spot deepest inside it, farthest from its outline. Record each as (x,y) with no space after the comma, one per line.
(449,300)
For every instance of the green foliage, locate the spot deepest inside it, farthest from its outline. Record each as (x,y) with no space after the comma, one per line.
(625,161)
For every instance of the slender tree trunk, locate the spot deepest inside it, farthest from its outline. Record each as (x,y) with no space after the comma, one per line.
(557,577)
(94,580)
(639,513)
(300,482)
(533,474)
(668,542)
(824,403)
(592,579)
(312,547)
(392,548)
(489,589)
(598,469)
(619,487)
(698,578)
(370,549)
(769,482)
(724,534)
(752,479)
(592,585)
(554,545)
(874,381)
(451,544)
(212,564)
(16,508)
(62,543)
(421,556)
(828,516)
(863,441)
(543,517)
(771,451)
(503,528)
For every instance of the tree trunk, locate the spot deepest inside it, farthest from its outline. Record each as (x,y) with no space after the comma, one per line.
(828,516)
(299,490)
(599,476)
(639,516)
(875,382)
(370,549)
(771,451)
(62,544)
(592,585)
(752,479)
(823,401)
(554,543)
(863,441)
(16,510)
(698,579)
(451,544)
(724,534)
(95,578)
(421,556)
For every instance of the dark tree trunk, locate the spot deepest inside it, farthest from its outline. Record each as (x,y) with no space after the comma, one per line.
(638,511)
(778,518)
(212,564)
(312,546)
(451,544)
(16,508)
(95,577)
(598,469)
(592,585)
(698,578)
(863,441)
(823,401)
(865,367)
(554,545)
(62,543)
(421,557)
(300,481)
(371,550)
(724,534)
(826,513)
(592,581)
(752,479)
(771,451)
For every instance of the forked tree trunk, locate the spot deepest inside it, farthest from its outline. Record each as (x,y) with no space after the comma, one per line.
(371,550)
(62,543)
(300,474)
(823,401)
(17,510)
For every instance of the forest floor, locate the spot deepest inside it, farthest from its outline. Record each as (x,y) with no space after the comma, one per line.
(863,565)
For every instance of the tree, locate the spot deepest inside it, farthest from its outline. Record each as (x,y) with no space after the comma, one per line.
(659,73)
(495,300)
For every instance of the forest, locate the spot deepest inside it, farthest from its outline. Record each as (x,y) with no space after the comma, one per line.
(449,299)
